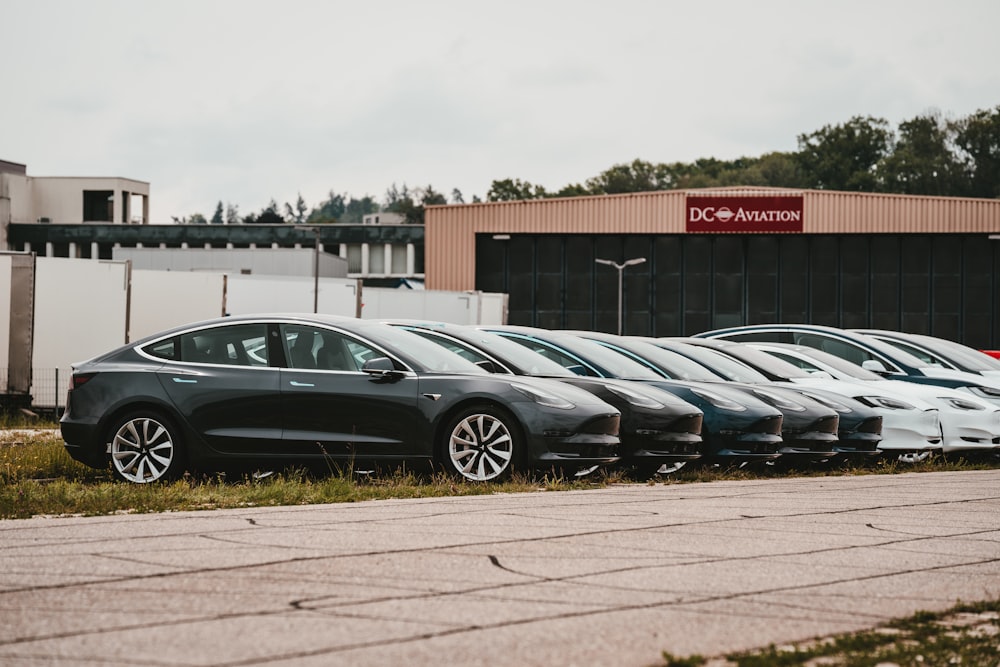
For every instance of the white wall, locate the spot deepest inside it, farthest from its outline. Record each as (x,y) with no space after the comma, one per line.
(290,294)
(453,307)
(5,269)
(252,261)
(165,299)
(80,312)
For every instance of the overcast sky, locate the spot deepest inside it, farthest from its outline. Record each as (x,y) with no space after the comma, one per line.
(247,100)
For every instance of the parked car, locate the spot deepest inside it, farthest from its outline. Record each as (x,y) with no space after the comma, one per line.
(659,431)
(816,424)
(870,353)
(737,428)
(939,351)
(911,431)
(966,422)
(264,391)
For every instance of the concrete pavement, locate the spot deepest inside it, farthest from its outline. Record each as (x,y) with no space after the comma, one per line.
(606,577)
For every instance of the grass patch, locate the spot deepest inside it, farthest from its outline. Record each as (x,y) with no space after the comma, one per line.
(38,477)
(967,634)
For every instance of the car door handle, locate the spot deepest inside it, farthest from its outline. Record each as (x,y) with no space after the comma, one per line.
(184,381)
(301,384)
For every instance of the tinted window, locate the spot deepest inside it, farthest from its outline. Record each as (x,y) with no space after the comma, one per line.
(310,347)
(165,349)
(234,345)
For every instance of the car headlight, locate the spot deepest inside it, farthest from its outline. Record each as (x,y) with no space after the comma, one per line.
(543,397)
(886,402)
(777,401)
(961,403)
(988,393)
(636,398)
(719,401)
(829,402)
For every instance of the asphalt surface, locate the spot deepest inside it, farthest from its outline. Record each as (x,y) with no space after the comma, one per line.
(606,577)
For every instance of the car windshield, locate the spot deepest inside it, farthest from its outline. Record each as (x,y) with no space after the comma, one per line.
(967,356)
(528,362)
(765,362)
(614,364)
(677,365)
(839,364)
(724,366)
(423,354)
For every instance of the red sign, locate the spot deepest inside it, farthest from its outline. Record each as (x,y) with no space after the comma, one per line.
(744,214)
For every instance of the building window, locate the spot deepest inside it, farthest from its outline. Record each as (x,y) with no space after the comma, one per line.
(98,205)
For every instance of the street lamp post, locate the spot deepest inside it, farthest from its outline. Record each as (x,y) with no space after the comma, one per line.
(316,232)
(621,270)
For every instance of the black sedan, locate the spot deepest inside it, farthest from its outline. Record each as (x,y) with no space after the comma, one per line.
(659,431)
(737,428)
(264,391)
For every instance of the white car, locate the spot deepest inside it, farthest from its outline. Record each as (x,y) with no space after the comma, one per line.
(967,423)
(939,352)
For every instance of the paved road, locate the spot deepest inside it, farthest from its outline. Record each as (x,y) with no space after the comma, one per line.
(607,577)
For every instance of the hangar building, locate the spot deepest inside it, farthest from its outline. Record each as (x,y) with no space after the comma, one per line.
(730,256)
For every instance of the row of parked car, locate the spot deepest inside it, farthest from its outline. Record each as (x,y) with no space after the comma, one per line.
(262,392)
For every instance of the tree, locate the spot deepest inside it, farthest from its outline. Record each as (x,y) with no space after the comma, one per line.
(514,190)
(845,157)
(330,209)
(357,209)
(217,216)
(296,215)
(978,138)
(268,216)
(232,214)
(638,176)
(921,162)
(410,203)
(456,196)
(193,219)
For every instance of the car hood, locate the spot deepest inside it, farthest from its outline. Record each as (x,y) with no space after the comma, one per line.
(915,397)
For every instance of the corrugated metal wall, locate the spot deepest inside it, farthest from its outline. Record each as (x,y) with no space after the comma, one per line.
(451,230)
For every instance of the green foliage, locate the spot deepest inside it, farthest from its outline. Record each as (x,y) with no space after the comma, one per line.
(296,214)
(978,139)
(922,161)
(845,156)
(268,216)
(514,190)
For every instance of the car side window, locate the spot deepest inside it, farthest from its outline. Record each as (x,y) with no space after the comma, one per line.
(164,349)
(309,347)
(231,345)
(837,348)
(759,336)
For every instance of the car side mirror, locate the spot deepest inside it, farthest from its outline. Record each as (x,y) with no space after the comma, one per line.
(381,368)
(875,366)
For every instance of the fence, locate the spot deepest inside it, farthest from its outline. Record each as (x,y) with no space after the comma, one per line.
(48,390)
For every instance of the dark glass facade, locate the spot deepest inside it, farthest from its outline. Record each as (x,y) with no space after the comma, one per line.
(945,285)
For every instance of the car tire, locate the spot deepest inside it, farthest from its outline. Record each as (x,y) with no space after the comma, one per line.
(144,447)
(482,444)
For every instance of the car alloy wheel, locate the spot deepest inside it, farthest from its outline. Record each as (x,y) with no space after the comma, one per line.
(482,445)
(144,449)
